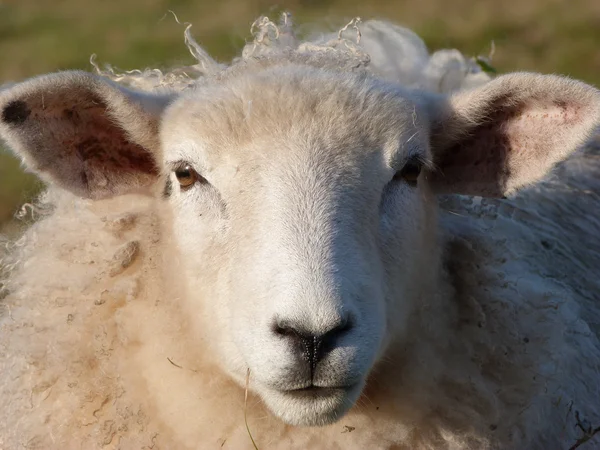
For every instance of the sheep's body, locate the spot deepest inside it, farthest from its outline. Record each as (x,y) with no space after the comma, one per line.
(94,354)
(104,329)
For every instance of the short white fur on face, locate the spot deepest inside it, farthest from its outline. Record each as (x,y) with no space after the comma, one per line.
(295,226)
(306,240)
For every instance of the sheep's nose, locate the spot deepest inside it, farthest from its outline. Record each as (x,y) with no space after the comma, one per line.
(312,346)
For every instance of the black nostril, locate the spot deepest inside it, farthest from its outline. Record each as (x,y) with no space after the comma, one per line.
(282,328)
(312,347)
(346,325)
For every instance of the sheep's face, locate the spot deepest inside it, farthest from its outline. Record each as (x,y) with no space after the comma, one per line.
(305,226)
(302,222)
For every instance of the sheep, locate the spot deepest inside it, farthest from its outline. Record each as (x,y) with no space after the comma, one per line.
(296,250)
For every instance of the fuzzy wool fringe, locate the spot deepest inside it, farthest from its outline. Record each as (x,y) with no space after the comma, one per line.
(356,47)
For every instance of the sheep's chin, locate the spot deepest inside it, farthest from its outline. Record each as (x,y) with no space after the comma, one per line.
(311,407)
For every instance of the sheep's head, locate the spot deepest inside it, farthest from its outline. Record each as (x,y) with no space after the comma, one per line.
(303,199)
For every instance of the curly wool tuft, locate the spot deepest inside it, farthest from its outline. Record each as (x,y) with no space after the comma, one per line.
(355,47)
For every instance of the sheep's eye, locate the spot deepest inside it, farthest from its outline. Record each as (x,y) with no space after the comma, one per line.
(186,176)
(410,172)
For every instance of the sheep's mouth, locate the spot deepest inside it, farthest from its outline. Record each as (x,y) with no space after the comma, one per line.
(312,405)
(319,390)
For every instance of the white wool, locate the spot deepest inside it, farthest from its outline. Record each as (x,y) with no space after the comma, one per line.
(356,46)
(84,287)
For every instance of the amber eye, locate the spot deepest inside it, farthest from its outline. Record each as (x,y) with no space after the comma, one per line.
(186,176)
(410,172)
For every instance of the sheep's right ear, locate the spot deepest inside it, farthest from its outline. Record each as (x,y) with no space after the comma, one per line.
(84,133)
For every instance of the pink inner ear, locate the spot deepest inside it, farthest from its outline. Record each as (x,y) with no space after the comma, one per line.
(539,129)
(515,144)
(71,138)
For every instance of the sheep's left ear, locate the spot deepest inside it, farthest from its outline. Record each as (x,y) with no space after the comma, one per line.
(508,133)
(84,133)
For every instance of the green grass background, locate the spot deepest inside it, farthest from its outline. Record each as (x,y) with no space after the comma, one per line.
(38,36)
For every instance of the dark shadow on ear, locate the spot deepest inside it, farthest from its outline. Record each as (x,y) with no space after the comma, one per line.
(478,162)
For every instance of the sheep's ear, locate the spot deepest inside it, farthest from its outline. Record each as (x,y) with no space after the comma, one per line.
(509,133)
(84,133)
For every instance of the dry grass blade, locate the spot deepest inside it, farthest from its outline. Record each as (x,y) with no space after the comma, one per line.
(588,432)
(246,409)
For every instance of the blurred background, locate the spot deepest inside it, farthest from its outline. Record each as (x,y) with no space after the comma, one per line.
(37,36)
